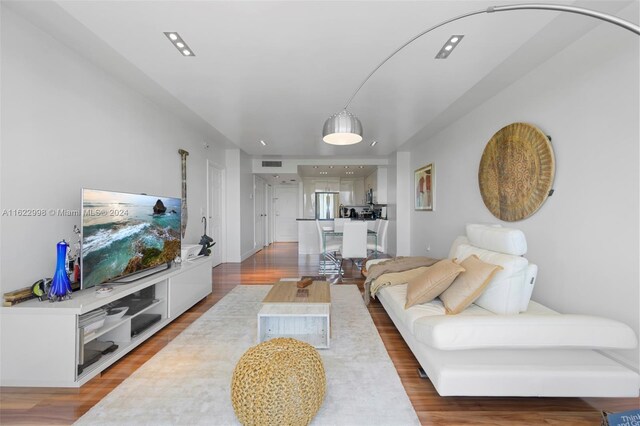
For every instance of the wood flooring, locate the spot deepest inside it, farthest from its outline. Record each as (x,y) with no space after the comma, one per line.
(51,406)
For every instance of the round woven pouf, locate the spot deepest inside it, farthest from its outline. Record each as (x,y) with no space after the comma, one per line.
(278,382)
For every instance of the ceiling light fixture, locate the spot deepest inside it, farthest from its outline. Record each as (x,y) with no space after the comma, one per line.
(342,128)
(446,50)
(374,143)
(179,43)
(345,128)
(263,143)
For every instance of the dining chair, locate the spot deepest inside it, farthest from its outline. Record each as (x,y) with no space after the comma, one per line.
(328,253)
(354,241)
(381,246)
(338,223)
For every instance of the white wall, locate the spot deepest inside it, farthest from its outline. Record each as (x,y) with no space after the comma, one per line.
(585,237)
(392,186)
(246,206)
(233,219)
(67,124)
(404,206)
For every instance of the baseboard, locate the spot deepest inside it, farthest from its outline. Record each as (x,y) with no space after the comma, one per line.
(250,253)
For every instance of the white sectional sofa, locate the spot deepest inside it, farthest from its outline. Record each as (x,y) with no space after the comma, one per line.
(506,345)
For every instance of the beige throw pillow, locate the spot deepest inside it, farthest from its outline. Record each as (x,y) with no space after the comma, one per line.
(469,285)
(434,280)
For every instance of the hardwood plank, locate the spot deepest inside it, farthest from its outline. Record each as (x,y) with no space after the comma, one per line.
(53,406)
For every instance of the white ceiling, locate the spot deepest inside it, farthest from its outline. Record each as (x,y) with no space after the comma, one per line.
(276,70)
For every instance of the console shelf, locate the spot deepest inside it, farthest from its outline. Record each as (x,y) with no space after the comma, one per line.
(41,344)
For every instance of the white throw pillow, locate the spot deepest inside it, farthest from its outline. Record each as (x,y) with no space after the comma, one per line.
(505,293)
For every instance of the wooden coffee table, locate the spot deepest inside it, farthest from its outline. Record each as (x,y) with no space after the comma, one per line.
(303,314)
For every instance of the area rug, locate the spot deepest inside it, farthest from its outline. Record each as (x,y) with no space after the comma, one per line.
(188,382)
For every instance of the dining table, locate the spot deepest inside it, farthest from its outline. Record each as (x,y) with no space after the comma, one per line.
(328,232)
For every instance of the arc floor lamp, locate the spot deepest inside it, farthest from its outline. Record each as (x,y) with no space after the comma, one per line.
(344,128)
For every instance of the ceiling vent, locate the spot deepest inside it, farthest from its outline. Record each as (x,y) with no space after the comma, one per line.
(272,164)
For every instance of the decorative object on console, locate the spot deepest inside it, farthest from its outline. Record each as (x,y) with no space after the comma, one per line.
(40,288)
(516,171)
(281,381)
(205,241)
(22,295)
(183,210)
(60,285)
(425,188)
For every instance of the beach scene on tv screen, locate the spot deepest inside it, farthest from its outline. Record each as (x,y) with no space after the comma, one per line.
(126,233)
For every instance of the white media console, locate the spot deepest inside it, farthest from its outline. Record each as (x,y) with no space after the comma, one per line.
(41,343)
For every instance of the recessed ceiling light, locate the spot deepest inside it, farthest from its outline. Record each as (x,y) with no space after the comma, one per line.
(373,143)
(315,167)
(448,46)
(331,167)
(263,143)
(276,176)
(362,167)
(179,43)
(346,167)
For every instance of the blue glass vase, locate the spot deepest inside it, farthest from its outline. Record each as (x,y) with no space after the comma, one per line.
(60,285)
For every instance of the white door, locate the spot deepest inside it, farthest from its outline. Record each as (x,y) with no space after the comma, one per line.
(270,215)
(259,213)
(286,206)
(215,207)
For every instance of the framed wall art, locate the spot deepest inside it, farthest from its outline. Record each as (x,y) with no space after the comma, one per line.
(425,188)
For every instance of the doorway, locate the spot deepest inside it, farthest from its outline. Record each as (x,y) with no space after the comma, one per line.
(286,212)
(260,213)
(215,209)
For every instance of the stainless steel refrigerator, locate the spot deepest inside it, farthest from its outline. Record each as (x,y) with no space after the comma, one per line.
(327,205)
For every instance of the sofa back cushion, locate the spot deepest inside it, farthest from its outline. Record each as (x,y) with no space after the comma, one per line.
(504,294)
(498,239)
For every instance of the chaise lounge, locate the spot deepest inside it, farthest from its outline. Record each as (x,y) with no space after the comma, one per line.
(505,344)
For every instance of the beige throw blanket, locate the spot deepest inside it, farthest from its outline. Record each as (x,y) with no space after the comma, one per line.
(398,270)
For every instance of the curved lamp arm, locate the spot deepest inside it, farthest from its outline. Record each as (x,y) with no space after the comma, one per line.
(570,9)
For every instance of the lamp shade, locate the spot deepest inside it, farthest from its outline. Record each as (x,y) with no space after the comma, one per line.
(342,128)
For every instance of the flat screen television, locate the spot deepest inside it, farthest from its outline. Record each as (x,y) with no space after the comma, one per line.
(127,236)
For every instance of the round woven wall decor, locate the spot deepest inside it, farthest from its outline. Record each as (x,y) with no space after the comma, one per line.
(516,171)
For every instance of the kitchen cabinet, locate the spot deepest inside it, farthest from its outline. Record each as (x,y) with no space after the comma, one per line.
(346,192)
(332,185)
(378,182)
(352,191)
